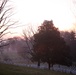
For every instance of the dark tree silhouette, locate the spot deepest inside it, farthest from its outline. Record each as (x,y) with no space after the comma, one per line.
(70,38)
(49,46)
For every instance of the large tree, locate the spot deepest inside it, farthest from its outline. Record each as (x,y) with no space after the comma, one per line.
(49,46)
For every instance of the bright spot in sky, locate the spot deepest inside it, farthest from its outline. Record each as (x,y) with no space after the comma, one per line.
(36,11)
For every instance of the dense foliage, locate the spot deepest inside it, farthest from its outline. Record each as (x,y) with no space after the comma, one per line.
(49,46)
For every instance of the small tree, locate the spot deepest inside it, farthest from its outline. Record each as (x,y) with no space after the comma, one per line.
(49,46)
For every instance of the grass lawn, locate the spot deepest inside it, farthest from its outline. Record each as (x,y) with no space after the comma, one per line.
(19,70)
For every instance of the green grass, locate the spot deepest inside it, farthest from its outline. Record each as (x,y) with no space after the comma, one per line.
(18,70)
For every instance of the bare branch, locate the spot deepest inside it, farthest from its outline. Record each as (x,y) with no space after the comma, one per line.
(3,5)
(5,21)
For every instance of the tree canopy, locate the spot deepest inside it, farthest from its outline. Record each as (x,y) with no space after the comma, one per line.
(49,46)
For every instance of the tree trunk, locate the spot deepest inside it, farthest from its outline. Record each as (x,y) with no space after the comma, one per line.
(49,65)
(39,63)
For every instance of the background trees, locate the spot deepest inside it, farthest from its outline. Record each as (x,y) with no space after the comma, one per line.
(70,38)
(49,46)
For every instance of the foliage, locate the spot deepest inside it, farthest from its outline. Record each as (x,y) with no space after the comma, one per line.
(70,38)
(49,46)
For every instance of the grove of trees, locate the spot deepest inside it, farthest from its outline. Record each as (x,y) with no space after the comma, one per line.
(46,45)
(49,46)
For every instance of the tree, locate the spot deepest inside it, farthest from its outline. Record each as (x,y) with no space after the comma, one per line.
(5,21)
(70,38)
(49,46)
(25,50)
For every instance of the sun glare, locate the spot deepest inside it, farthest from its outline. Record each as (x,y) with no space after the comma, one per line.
(36,11)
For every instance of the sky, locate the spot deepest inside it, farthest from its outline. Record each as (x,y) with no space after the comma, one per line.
(34,12)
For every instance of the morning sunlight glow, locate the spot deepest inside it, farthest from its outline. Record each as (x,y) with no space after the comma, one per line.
(36,11)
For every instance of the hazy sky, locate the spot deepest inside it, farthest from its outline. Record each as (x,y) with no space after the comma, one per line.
(36,11)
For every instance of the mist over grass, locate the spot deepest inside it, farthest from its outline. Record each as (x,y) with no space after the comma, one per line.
(18,70)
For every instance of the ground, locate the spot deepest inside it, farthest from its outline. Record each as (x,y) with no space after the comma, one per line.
(6,69)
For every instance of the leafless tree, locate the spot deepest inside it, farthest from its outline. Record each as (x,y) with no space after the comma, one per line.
(28,36)
(5,20)
(28,33)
